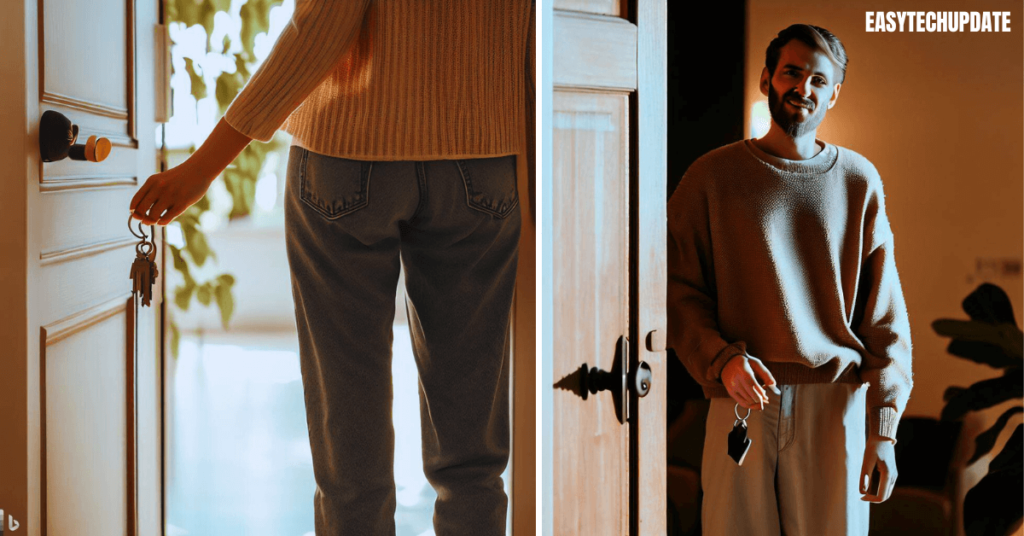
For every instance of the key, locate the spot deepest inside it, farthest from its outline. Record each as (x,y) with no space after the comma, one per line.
(144,270)
(738,442)
(140,275)
(152,273)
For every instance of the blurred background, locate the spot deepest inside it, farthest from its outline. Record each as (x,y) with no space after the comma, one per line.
(941,116)
(237,449)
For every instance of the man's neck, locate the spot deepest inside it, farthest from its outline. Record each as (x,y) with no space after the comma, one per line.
(777,143)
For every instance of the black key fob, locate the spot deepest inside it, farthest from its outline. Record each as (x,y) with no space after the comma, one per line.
(739,443)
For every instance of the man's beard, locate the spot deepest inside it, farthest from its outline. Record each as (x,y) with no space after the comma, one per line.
(789,124)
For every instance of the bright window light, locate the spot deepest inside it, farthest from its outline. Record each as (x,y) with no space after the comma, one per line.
(760,119)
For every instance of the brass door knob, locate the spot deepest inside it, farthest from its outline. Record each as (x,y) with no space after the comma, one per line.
(57,136)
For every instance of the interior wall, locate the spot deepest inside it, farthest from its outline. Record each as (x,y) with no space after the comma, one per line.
(941,116)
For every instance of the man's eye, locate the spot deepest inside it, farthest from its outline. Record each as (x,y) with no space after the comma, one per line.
(819,80)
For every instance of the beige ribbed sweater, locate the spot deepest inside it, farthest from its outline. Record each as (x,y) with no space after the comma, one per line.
(395,79)
(791,262)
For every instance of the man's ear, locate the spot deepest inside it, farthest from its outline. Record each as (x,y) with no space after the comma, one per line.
(765,80)
(835,96)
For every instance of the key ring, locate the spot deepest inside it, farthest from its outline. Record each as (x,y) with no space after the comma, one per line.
(736,411)
(142,235)
(145,247)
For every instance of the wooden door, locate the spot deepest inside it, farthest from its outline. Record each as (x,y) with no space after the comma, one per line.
(607,270)
(82,413)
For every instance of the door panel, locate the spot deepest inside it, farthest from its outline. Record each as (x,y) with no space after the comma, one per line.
(594,52)
(86,52)
(615,8)
(607,233)
(87,428)
(94,462)
(591,271)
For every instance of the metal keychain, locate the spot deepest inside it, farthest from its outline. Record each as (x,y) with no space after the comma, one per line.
(739,443)
(144,271)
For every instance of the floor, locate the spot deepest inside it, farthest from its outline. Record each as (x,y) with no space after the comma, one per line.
(238,456)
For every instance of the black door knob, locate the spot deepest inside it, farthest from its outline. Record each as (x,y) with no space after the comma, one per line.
(57,136)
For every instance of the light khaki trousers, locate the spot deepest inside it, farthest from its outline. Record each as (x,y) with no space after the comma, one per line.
(800,477)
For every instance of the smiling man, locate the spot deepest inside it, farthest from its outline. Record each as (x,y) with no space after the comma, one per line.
(784,303)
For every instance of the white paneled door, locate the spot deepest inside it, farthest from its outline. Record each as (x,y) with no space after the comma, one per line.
(81,411)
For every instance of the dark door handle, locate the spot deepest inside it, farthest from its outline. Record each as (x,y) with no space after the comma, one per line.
(57,136)
(618,381)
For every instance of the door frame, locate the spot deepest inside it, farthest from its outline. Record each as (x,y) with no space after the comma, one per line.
(648,161)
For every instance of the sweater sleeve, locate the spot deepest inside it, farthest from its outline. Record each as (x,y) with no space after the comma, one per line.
(309,46)
(692,298)
(883,326)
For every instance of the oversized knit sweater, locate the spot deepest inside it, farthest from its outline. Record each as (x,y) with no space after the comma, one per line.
(395,79)
(791,262)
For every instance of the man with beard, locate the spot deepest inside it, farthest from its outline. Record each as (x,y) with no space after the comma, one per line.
(784,299)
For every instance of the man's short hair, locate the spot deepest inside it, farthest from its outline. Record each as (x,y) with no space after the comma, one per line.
(812,36)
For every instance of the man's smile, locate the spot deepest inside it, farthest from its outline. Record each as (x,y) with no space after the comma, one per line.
(797,103)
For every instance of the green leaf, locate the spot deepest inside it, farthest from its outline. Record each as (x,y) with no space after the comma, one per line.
(175,339)
(241,67)
(986,440)
(255,20)
(203,293)
(228,87)
(183,295)
(195,244)
(183,11)
(188,219)
(181,266)
(198,84)
(226,279)
(202,205)
(206,14)
(225,300)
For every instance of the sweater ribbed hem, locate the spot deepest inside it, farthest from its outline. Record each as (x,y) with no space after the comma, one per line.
(423,157)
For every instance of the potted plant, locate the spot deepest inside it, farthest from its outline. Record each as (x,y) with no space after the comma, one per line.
(995,506)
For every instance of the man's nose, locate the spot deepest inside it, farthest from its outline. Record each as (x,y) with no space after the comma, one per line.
(804,88)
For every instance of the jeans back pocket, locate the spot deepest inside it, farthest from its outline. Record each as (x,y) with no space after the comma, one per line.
(491,184)
(334,186)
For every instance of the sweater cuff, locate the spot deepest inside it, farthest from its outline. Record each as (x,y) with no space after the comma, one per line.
(722,357)
(883,422)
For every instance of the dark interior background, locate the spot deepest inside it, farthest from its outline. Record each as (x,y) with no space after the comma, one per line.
(706,46)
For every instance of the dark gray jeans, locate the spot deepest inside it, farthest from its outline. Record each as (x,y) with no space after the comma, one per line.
(454,225)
